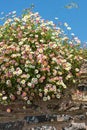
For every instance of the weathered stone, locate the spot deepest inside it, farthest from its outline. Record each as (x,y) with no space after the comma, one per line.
(40,118)
(83,106)
(44,128)
(18,125)
(45,118)
(80,117)
(52,117)
(63,118)
(76,126)
(36,119)
(67,117)
(82,87)
(74,108)
(65,106)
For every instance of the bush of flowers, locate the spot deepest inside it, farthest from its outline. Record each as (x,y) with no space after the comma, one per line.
(36,58)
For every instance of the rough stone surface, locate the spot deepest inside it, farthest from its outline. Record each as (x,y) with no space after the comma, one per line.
(81,95)
(18,125)
(83,77)
(34,122)
(36,119)
(64,114)
(47,118)
(44,128)
(76,126)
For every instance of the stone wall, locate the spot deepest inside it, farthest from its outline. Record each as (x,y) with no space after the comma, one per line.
(65,114)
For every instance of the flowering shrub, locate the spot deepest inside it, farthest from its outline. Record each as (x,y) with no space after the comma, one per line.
(36,58)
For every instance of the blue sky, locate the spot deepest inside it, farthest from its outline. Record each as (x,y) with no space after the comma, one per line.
(49,9)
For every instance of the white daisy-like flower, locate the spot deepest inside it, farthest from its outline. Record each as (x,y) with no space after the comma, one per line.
(56,18)
(36,71)
(68,28)
(77,69)
(48,97)
(38,75)
(4,98)
(23,81)
(29,84)
(1,94)
(14,12)
(45,98)
(65,24)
